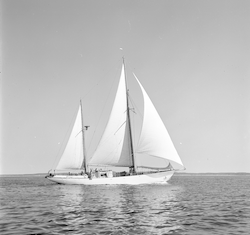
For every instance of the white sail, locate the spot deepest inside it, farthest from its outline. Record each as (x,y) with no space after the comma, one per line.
(154,139)
(72,156)
(115,148)
(112,147)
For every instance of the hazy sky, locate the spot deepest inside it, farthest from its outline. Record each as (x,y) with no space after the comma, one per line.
(192,57)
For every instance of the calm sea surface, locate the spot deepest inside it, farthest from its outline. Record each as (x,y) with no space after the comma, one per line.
(195,204)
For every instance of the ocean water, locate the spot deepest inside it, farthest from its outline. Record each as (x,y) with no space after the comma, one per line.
(190,204)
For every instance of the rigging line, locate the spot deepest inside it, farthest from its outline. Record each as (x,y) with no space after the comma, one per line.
(130,98)
(97,83)
(120,127)
(104,74)
(79,133)
(98,122)
(134,121)
(82,130)
(134,106)
(134,132)
(140,116)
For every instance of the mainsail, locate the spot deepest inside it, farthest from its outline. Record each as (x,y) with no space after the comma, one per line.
(72,156)
(113,148)
(154,139)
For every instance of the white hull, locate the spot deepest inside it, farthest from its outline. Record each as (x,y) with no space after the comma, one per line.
(159,177)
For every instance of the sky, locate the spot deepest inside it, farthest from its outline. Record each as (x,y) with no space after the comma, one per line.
(192,57)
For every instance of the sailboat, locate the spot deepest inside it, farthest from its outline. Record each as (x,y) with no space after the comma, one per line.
(116,147)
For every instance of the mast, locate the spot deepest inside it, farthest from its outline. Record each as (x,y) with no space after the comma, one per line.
(134,166)
(84,164)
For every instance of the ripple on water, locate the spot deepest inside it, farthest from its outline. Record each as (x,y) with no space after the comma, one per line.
(187,205)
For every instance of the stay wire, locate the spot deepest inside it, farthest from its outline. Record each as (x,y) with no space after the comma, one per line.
(100,116)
